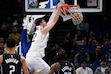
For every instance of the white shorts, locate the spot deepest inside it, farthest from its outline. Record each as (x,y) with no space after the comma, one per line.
(37,64)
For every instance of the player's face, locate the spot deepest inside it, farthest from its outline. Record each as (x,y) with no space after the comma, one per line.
(43,23)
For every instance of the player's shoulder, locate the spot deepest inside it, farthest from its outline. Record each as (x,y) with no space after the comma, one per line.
(22,58)
(55,66)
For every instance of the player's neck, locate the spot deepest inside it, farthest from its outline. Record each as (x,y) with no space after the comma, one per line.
(10,51)
(41,27)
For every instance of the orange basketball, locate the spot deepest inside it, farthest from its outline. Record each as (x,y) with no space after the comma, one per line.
(77,18)
(77,15)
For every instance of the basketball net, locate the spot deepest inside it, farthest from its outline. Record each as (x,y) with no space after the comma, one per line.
(75,15)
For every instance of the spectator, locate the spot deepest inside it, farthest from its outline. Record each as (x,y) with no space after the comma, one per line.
(8,22)
(106,39)
(97,54)
(14,34)
(19,21)
(4,31)
(106,23)
(84,69)
(85,40)
(91,38)
(84,25)
(2,39)
(109,57)
(1,48)
(78,38)
(67,44)
(103,69)
(82,55)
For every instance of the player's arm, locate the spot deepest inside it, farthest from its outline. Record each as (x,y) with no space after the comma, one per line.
(54,67)
(54,18)
(74,71)
(24,65)
(1,59)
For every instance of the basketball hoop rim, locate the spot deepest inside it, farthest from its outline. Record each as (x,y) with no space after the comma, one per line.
(67,13)
(70,6)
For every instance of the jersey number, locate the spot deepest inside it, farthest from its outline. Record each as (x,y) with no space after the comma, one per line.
(12,69)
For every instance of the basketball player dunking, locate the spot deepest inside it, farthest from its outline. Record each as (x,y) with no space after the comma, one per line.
(39,42)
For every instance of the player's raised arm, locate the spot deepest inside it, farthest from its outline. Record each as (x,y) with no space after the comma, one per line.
(53,19)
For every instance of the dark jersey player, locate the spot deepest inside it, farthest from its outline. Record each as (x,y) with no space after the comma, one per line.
(63,66)
(11,62)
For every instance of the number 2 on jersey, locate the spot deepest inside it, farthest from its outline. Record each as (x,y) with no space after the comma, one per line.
(12,69)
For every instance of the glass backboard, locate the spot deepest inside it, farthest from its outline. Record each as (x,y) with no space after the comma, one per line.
(48,5)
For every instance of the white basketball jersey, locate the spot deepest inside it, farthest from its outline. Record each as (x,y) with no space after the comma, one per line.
(38,45)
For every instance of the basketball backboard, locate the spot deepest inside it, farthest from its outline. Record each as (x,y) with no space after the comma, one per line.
(89,6)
